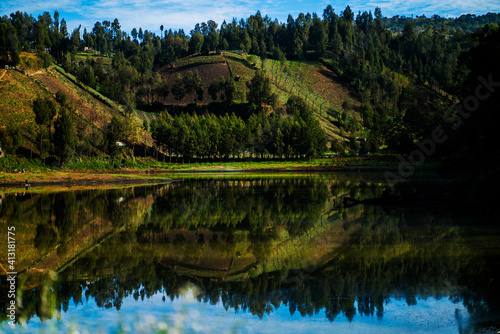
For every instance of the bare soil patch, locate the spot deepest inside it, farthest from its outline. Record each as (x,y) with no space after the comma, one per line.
(208,74)
(85,109)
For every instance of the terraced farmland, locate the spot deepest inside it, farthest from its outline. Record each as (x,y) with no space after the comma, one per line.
(319,87)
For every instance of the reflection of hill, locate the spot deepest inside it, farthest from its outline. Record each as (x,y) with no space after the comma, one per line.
(374,263)
(55,229)
(288,242)
(52,230)
(268,220)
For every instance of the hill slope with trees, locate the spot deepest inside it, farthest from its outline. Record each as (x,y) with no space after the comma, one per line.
(401,74)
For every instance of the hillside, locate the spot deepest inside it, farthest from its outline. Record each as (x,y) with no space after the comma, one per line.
(87,107)
(322,90)
(208,74)
(17,93)
(18,90)
(92,112)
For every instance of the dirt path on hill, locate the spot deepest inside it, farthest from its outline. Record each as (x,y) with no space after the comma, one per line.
(1,76)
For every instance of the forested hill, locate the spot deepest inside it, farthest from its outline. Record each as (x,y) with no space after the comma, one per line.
(400,82)
(464,23)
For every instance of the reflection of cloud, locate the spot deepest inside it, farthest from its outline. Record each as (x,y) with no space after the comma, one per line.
(177,14)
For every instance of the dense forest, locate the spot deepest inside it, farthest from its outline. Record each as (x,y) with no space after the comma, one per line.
(298,135)
(409,72)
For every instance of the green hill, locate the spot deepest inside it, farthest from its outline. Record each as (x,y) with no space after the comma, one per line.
(17,93)
(323,91)
(19,89)
(320,88)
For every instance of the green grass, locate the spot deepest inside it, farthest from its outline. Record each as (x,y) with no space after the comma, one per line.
(294,78)
(88,55)
(106,164)
(88,89)
(29,61)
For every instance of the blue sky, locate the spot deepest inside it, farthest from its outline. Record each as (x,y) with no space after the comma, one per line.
(429,315)
(175,14)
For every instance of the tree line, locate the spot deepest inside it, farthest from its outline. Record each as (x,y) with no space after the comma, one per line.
(293,134)
(347,35)
(62,138)
(391,66)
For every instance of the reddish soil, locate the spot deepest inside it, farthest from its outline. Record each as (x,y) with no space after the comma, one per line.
(334,89)
(208,73)
(54,85)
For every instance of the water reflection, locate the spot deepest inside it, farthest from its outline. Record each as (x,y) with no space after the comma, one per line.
(253,244)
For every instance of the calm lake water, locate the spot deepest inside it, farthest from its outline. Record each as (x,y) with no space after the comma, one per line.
(249,254)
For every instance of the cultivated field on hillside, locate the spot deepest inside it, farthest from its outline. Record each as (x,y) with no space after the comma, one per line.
(92,110)
(208,74)
(322,89)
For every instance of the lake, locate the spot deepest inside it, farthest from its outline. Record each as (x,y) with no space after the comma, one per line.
(248,253)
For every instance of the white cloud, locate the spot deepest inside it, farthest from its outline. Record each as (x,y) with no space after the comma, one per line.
(171,14)
(177,14)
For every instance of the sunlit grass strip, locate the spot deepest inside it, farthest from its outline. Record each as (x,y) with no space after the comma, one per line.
(88,89)
(198,60)
(102,170)
(297,78)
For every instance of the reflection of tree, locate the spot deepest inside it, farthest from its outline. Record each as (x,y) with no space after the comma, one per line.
(398,253)
(261,244)
(65,207)
(358,280)
(249,204)
(45,237)
(117,213)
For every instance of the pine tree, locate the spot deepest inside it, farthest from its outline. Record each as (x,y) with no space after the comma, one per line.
(64,136)
(260,89)
(115,133)
(45,110)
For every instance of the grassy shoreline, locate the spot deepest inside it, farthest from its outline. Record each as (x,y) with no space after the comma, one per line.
(137,170)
